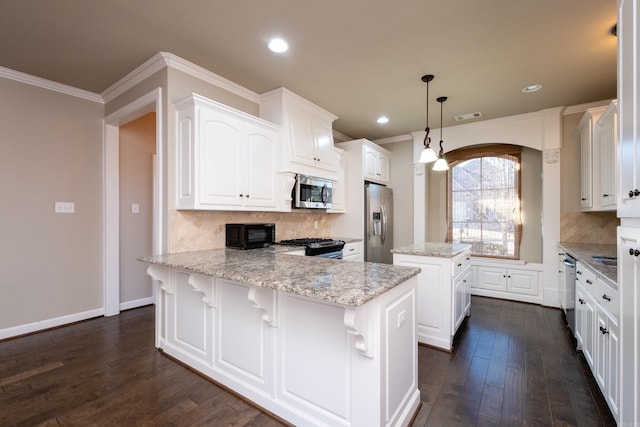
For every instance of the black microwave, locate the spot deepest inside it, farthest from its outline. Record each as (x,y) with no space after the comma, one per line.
(250,236)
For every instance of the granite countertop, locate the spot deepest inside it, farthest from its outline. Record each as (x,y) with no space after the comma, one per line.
(584,253)
(348,283)
(440,250)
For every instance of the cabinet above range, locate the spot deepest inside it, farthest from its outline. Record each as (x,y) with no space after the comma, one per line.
(307,134)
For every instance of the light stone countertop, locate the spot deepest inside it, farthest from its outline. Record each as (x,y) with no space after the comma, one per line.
(349,283)
(440,250)
(584,253)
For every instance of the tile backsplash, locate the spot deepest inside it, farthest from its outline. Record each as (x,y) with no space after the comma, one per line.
(197,230)
(588,227)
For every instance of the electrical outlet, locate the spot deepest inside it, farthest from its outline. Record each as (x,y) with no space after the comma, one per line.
(65,207)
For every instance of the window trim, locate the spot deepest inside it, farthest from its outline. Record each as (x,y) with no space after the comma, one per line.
(492,150)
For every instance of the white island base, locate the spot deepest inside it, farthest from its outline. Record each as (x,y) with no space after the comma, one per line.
(308,361)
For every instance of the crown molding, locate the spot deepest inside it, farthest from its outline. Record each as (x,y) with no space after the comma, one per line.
(581,108)
(166,59)
(138,75)
(21,77)
(201,73)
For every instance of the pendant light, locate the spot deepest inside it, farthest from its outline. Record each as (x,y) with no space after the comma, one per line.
(441,163)
(427,155)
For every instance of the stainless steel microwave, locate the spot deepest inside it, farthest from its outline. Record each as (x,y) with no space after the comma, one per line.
(249,236)
(313,193)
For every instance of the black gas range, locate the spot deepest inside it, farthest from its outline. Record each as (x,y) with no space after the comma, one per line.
(326,248)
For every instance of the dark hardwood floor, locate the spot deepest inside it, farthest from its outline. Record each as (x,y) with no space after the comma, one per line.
(513,365)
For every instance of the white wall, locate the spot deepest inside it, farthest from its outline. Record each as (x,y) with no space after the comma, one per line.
(50,151)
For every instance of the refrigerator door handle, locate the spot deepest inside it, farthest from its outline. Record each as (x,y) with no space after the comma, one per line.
(383,212)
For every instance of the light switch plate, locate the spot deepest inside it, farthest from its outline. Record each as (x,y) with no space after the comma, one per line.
(65,207)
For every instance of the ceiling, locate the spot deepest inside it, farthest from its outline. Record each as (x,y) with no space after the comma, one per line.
(358,59)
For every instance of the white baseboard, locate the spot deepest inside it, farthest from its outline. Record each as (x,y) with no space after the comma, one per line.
(28,328)
(506,295)
(136,303)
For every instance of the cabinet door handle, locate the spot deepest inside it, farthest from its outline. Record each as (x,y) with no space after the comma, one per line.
(605,195)
(603,330)
(589,282)
(581,301)
(583,199)
(606,297)
(460,265)
(634,193)
(579,272)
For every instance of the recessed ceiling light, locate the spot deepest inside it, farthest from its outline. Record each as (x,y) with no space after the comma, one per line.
(278,45)
(532,88)
(382,120)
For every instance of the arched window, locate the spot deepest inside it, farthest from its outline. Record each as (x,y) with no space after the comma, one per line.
(483,200)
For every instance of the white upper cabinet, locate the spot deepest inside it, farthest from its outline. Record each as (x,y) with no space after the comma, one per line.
(339,197)
(590,161)
(227,159)
(307,138)
(606,138)
(376,163)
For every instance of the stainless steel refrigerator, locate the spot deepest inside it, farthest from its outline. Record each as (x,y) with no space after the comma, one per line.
(378,223)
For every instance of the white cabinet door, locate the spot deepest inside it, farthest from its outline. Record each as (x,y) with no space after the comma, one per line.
(383,167)
(580,314)
(220,151)
(612,392)
(339,191)
(606,141)
(586,168)
(323,147)
(260,155)
(370,156)
(628,113)
(461,298)
(522,281)
(352,251)
(301,137)
(588,333)
(492,278)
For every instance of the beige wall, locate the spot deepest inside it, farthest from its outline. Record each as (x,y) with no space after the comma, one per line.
(401,181)
(137,148)
(50,151)
(576,226)
(531,200)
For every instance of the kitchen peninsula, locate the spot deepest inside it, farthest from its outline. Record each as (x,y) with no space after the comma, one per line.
(314,341)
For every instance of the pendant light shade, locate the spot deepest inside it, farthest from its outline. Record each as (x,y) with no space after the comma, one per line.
(427,155)
(441,164)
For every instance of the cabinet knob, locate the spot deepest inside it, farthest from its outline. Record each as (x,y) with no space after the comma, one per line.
(634,193)
(509,277)
(578,272)
(606,297)
(631,251)
(460,265)
(634,252)
(581,301)
(504,275)
(604,330)
(605,195)
(247,196)
(589,282)
(241,195)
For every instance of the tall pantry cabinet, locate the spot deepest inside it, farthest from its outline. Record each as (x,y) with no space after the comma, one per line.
(628,207)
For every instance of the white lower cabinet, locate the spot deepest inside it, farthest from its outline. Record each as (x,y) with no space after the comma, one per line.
(514,283)
(598,331)
(443,298)
(352,251)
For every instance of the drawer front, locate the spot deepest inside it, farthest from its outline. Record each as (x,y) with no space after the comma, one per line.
(353,251)
(587,278)
(461,263)
(608,298)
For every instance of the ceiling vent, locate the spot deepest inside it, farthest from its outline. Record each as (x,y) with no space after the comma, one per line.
(469,116)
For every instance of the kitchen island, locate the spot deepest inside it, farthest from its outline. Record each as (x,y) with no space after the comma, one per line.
(314,341)
(443,290)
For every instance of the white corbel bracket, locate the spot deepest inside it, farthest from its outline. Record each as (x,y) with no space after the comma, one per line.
(205,285)
(163,275)
(264,299)
(359,324)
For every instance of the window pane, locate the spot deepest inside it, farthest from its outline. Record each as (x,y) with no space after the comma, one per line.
(484,205)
